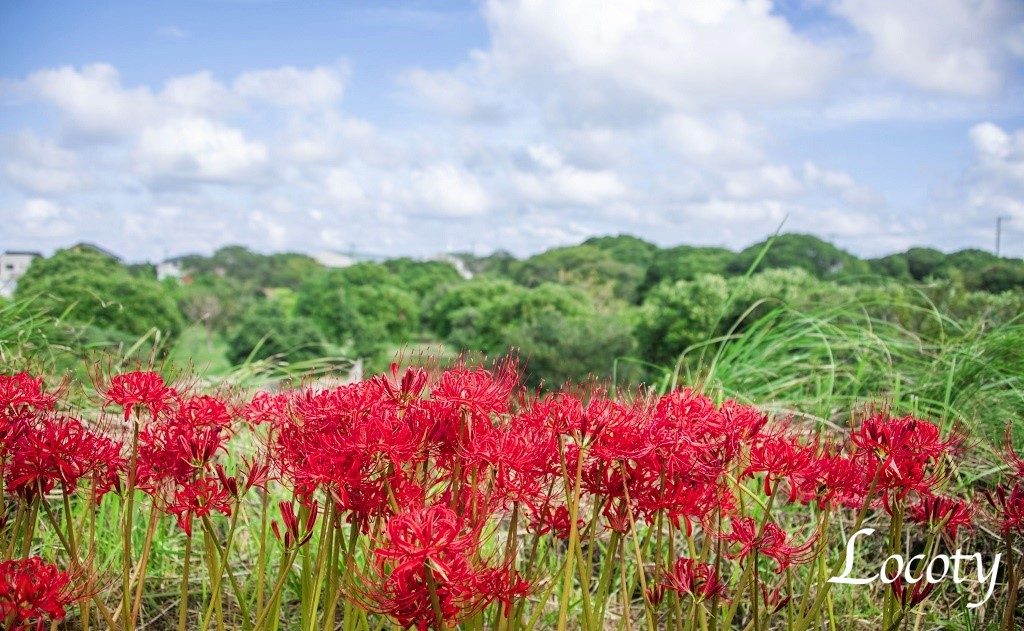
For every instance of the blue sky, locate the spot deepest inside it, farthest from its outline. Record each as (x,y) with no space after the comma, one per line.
(410,128)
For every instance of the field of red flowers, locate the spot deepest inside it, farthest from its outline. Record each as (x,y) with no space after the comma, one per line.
(442,499)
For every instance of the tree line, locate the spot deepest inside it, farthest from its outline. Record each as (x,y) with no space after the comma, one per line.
(568,312)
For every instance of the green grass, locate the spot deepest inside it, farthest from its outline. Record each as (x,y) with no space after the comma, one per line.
(205,353)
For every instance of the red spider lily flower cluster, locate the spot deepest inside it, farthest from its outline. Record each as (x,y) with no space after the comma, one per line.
(33,593)
(436,474)
(133,390)
(426,571)
(1008,500)
(951,514)
(177,457)
(694,579)
(770,540)
(41,450)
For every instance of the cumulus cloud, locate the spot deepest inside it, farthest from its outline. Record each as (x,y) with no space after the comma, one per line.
(289,86)
(950,46)
(995,182)
(198,148)
(658,53)
(47,220)
(440,190)
(547,179)
(678,121)
(92,100)
(40,166)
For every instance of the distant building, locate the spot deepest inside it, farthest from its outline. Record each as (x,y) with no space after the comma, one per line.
(457,263)
(13,265)
(170,268)
(328,258)
(334,259)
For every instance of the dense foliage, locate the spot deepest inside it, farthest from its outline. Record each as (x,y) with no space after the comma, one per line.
(570,312)
(89,287)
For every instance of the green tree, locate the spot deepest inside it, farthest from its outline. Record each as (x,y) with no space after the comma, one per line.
(266,330)
(804,251)
(558,348)
(92,288)
(443,307)
(422,277)
(586,266)
(676,316)
(625,249)
(285,269)
(363,306)
(686,262)
(1000,277)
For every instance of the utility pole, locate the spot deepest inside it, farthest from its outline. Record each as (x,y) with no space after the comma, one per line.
(999,231)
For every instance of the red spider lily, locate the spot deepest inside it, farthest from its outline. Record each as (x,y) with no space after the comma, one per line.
(625,431)
(479,391)
(427,536)
(33,592)
(900,451)
(909,598)
(139,389)
(502,585)
(771,541)
(427,559)
(60,451)
(22,392)
(554,519)
(1011,453)
(172,454)
(562,413)
(198,499)
(517,454)
(951,513)
(295,534)
(406,388)
(780,458)
(1009,506)
(694,579)
(685,501)
(204,411)
(774,599)
(266,408)
(655,594)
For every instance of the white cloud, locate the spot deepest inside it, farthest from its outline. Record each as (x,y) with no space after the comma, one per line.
(840,182)
(725,139)
(342,186)
(948,46)
(550,181)
(768,181)
(39,166)
(655,53)
(700,122)
(995,182)
(198,148)
(44,218)
(172,32)
(92,100)
(442,190)
(289,86)
(198,92)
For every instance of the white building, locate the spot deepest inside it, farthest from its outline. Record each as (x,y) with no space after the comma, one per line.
(171,268)
(13,265)
(334,259)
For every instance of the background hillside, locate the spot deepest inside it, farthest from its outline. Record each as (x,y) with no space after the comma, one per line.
(611,307)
